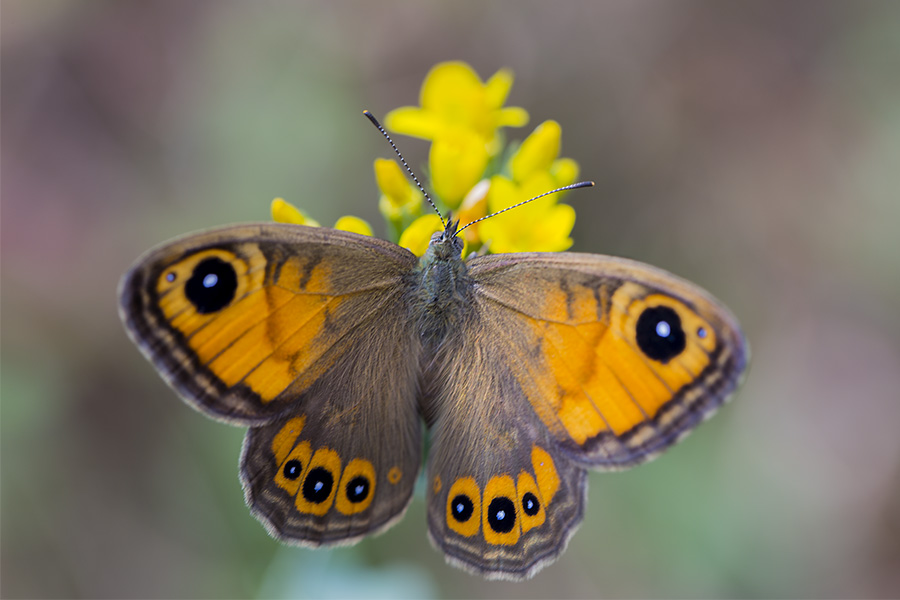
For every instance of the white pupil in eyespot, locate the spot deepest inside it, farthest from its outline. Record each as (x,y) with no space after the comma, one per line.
(663,329)
(210,280)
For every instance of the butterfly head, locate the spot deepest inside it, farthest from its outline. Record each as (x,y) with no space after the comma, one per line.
(446,245)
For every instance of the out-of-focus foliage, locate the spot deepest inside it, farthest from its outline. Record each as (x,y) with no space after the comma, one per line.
(749,147)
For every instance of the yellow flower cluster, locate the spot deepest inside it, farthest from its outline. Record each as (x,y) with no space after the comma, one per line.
(472,173)
(285,212)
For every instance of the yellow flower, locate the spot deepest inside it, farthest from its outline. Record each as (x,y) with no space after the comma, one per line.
(354,224)
(457,161)
(285,212)
(538,153)
(540,226)
(417,236)
(462,116)
(401,200)
(453,97)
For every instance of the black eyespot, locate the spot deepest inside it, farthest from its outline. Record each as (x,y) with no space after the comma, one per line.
(211,286)
(317,486)
(461,508)
(502,514)
(530,504)
(358,489)
(659,333)
(292,469)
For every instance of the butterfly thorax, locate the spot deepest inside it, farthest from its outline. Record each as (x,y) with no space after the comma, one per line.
(443,286)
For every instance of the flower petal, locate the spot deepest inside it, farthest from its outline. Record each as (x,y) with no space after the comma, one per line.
(417,236)
(353,224)
(457,162)
(564,171)
(452,98)
(503,193)
(497,88)
(414,121)
(512,116)
(540,226)
(537,152)
(450,88)
(392,181)
(285,212)
(552,233)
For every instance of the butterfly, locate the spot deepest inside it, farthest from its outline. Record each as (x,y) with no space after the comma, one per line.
(526,369)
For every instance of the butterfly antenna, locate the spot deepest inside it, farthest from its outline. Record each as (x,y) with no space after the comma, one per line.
(375,122)
(580,184)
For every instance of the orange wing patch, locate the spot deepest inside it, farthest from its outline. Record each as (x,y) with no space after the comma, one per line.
(286,438)
(295,465)
(608,363)
(271,334)
(531,507)
(508,508)
(545,473)
(316,479)
(464,507)
(357,487)
(249,269)
(500,520)
(319,483)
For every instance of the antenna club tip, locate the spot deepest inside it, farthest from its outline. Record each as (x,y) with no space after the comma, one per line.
(371,117)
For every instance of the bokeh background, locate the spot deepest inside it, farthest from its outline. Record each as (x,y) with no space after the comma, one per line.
(751,147)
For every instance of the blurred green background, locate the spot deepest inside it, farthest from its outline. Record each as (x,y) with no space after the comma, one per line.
(753,148)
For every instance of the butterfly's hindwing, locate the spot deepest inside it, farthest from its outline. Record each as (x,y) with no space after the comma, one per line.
(344,464)
(503,499)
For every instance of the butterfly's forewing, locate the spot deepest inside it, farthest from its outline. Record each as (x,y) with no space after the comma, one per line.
(619,360)
(276,327)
